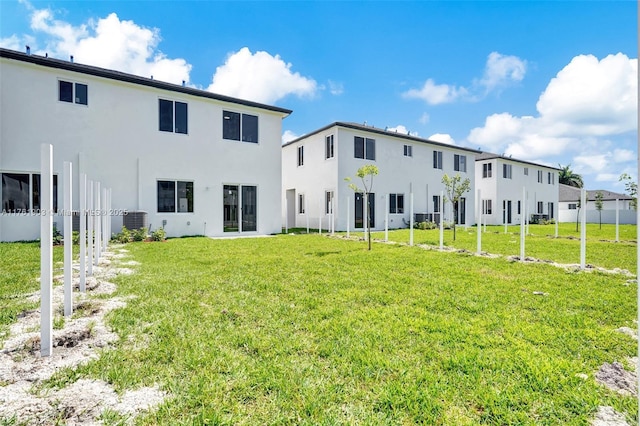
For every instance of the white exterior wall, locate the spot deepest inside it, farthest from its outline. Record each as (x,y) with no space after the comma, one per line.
(115,140)
(626,213)
(397,174)
(499,189)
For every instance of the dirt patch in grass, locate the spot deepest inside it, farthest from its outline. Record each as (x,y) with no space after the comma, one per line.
(615,377)
(79,341)
(607,416)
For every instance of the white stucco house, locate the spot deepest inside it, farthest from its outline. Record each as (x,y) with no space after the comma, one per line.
(314,168)
(570,200)
(198,163)
(501,181)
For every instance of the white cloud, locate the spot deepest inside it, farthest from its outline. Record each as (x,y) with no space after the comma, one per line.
(106,42)
(12,42)
(259,77)
(500,71)
(288,136)
(424,118)
(593,97)
(435,94)
(401,129)
(443,138)
(586,102)
(336,88)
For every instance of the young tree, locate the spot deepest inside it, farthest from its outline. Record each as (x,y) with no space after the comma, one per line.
(455,187)
(599,205)
(366,174)
(631,188)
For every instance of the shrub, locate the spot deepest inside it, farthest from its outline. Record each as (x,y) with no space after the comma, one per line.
(139,234)
(159,235)
(123,237)
(57,236)
(425,225)
(76,238)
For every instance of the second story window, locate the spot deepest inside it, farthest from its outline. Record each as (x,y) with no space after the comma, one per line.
(172,116)
(460,163)
(486,170)
(551,178)
(364,148)
(328,148)
(437,160)
(539,176)
(239,127)
(301,155)
(408,151)
(506,171)
(75,93)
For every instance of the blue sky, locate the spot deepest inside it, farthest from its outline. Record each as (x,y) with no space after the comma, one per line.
(553,82)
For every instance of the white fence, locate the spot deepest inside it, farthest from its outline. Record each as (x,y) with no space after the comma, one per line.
(627,217)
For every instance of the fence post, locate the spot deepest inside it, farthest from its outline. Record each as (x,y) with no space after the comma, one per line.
(523,222)
(46,249)
(90,226)
(441,220)
(83,232)
(583,230)
(67,218)
(479,222)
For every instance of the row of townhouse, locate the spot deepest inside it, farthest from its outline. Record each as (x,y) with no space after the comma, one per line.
(198,163)
(315,192)
(195,162)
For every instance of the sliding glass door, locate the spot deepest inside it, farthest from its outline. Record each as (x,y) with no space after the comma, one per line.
(240,208)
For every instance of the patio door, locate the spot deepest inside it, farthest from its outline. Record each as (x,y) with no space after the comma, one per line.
(239,208)
(359,210)
(506,211)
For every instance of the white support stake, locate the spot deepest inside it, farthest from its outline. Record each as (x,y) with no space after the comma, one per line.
(523,220)
(617,220)
(479,222)
(411,218)
(105,215)
(90,230)
(46,249)
(286,215)
(348,216)
(97,223)
(583,229)
(68,239)
(83,233)
(386,218)
(556,224)
(333,221)
(441,220)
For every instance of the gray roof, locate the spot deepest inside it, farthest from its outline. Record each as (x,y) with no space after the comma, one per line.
(372,129)
(490,156)
(570,193)
(130,78)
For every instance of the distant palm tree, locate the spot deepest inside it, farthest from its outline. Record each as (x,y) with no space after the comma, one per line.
(568,177)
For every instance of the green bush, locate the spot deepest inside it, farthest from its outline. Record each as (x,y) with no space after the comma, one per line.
(159,235)
(123,237)
(57,236)
(139,234)
(76,238)
(425,225)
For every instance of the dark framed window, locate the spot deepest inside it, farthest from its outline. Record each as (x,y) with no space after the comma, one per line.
(239,127)
(364,148)
(460,163)
(175,196)
(540,207)
(486,207)
(396,203)
(486,170)
(301,156)
(551,179)
(539,176)
(172,116)
(436,204)
(21,192)
(437,160)
(301,205)
(506,171)
(408,151)
(526,171)
(573,206)
(328,196)
(328,147)
(77,93)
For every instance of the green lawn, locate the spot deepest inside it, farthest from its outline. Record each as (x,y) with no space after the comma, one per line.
(313,330)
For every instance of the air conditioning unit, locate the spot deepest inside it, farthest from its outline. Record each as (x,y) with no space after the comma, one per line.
(135,220)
